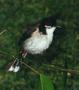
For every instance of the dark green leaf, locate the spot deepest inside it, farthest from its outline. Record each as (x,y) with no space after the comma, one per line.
(46,83)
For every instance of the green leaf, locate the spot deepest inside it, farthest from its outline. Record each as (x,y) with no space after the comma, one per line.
(46,83)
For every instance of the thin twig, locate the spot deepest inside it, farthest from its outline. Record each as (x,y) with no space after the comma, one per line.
(2,32)
(64,70)
(3,53)
(30,68)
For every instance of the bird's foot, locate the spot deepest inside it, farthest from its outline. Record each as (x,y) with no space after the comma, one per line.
(23,53)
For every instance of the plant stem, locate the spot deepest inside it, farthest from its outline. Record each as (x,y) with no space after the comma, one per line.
(30,68)
(63,70)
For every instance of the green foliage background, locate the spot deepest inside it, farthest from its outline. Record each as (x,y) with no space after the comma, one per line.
(14,15)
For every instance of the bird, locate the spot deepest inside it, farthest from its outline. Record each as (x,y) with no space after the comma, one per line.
(37,38)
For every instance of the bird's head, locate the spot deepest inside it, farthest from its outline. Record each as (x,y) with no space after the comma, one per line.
(48,25)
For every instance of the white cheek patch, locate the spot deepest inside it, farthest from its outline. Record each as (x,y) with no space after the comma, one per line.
(48,27)
(50,31)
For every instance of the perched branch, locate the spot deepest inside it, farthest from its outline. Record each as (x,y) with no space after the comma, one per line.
(3,53)
(30,68)
(63,70)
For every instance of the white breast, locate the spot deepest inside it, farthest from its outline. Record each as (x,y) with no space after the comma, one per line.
(37,44)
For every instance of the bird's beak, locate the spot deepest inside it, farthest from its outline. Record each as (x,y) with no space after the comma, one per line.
(59,28)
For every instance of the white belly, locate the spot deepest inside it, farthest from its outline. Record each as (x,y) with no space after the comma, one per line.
(37,44)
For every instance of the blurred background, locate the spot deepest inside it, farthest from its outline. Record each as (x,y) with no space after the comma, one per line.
(63,67)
